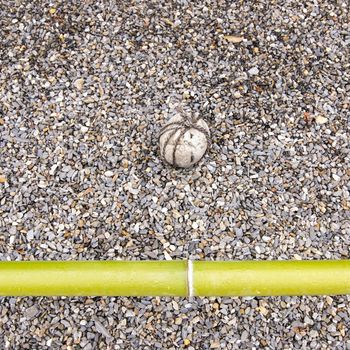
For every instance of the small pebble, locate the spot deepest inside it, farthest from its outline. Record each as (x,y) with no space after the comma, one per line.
(108,173)
(253,71)
(79,84)
(320,119)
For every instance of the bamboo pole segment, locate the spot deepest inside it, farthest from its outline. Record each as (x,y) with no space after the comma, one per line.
(174,278)
(87,278)
(268,278)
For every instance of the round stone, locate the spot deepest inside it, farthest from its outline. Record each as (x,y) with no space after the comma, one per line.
(183,142)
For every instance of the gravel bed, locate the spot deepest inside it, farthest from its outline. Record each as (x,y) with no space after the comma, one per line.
(85,86)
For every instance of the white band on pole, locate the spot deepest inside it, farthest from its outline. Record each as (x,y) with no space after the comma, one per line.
(190,278)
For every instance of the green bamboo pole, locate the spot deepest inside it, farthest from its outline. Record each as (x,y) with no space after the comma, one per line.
(268,278)
(174,278)
(79,278)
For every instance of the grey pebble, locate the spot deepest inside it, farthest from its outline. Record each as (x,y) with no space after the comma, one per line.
(253,71)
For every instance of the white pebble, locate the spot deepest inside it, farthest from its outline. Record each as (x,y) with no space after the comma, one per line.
(167,256)
(30,235)
(53,169)
(129,313)
(336,177)
(79,83)
(253,71)
(321,120)
(84,129)
(109,173)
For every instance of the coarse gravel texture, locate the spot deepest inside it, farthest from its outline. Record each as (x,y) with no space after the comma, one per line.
(85,86)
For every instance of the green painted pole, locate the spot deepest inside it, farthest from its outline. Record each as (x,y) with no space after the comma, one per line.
(268,278)
(92,278)
(174,278)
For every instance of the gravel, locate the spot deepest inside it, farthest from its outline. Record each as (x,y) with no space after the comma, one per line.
(85,86)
